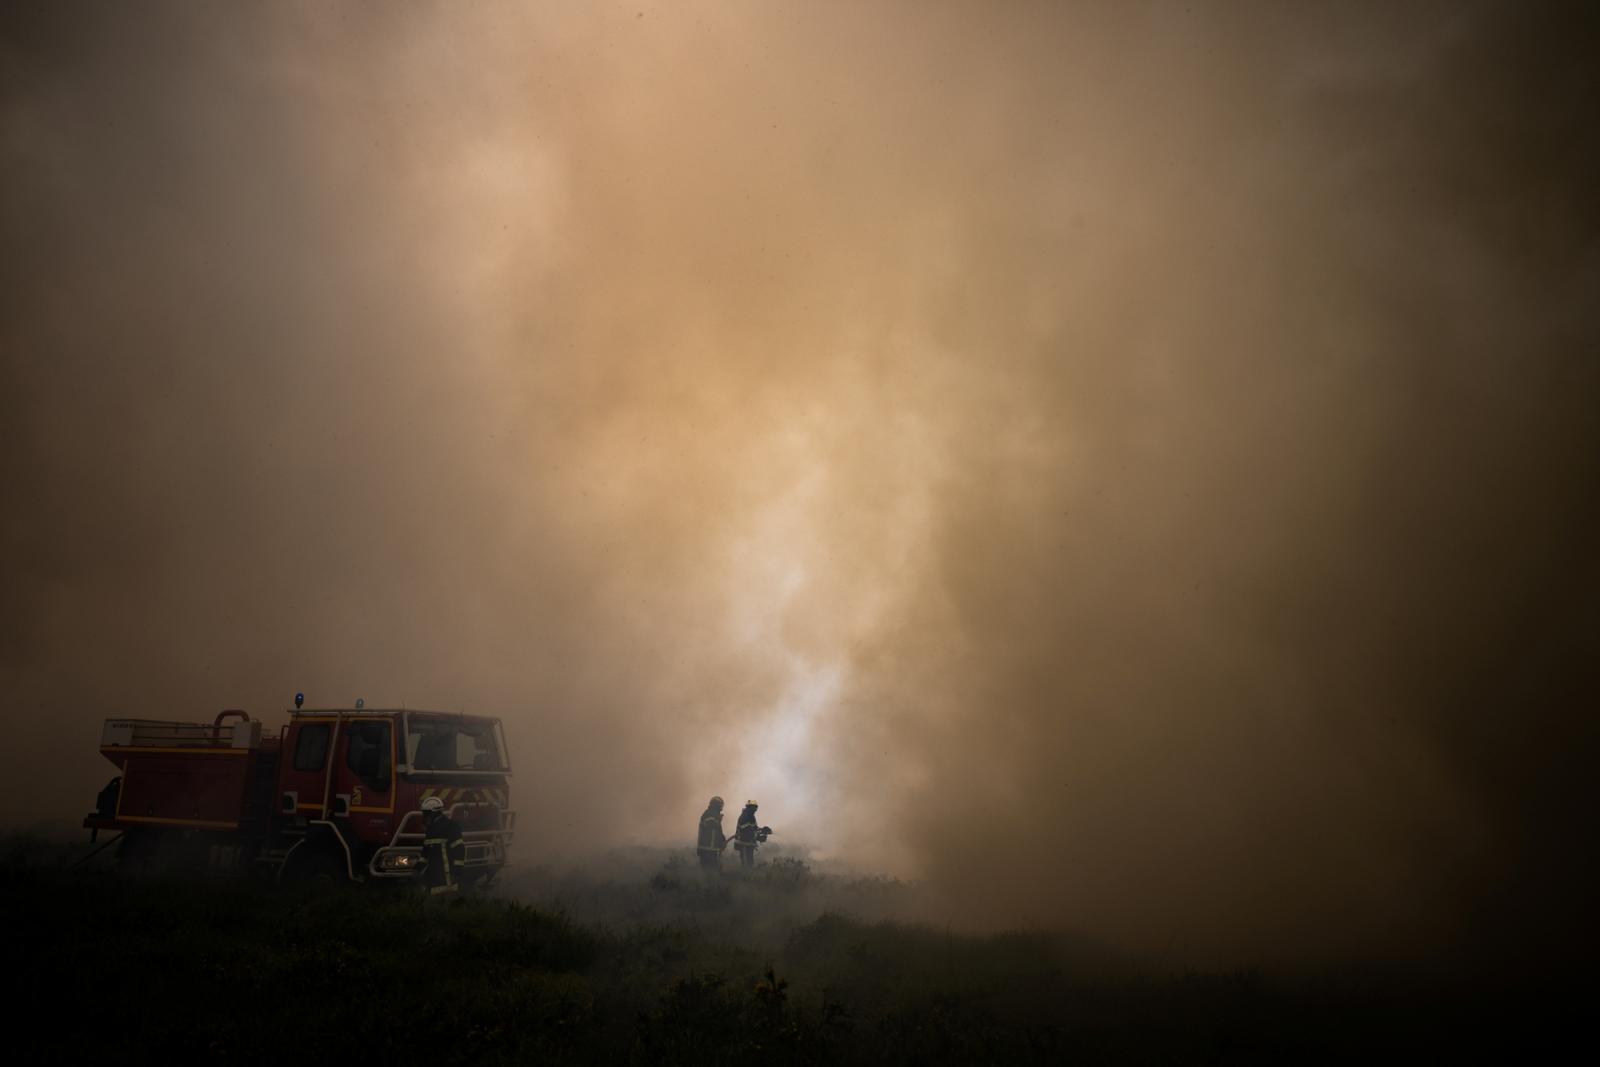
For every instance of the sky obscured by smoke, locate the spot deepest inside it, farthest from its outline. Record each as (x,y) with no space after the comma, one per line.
(1133,467)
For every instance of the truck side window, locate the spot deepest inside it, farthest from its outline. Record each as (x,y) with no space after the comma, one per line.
(368,752)
(311,749)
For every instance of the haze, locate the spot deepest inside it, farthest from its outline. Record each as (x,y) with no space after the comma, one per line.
(1130,467)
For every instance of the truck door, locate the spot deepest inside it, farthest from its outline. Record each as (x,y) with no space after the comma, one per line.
(303,775)
(363,778)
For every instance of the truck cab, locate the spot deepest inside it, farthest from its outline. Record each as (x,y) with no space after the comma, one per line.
(351,786)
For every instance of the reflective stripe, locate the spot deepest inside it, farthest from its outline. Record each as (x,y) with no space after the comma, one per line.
(444,846)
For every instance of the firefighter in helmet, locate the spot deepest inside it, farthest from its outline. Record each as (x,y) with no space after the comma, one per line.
(442,847)
(711,842)
(748,834)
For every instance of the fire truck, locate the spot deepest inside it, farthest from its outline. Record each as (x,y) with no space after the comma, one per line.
(331,795)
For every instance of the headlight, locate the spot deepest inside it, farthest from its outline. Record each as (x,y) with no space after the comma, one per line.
(400,861)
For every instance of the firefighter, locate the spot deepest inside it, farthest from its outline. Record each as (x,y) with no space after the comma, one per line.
(712,840)
(442,847)
(748,835)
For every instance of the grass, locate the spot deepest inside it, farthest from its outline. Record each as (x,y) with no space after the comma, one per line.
(637,960)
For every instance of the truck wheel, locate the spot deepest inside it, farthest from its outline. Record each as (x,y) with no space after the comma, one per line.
(139,850)
(314,867)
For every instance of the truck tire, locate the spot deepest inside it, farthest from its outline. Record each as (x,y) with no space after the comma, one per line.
(139,851)
(310,864)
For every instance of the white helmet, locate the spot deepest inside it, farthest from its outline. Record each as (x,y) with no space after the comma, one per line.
(432,806)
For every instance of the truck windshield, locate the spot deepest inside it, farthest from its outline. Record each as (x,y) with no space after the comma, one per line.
(442,743)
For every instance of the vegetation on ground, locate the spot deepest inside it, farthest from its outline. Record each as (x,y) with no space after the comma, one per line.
(626,966)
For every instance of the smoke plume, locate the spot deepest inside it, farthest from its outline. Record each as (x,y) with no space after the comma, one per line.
(1132,467)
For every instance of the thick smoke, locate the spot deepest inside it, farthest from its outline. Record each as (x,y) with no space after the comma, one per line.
(1132,467)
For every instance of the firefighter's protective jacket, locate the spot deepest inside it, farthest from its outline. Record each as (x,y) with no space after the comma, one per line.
(746,833)
(444,850)
(712,839)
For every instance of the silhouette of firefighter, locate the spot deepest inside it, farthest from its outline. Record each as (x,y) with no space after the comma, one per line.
(749,835)
(712,840)
(442,848)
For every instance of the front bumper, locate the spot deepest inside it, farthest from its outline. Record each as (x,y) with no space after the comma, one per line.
(402,856)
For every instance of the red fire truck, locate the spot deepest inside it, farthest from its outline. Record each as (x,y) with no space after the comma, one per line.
(333,795)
